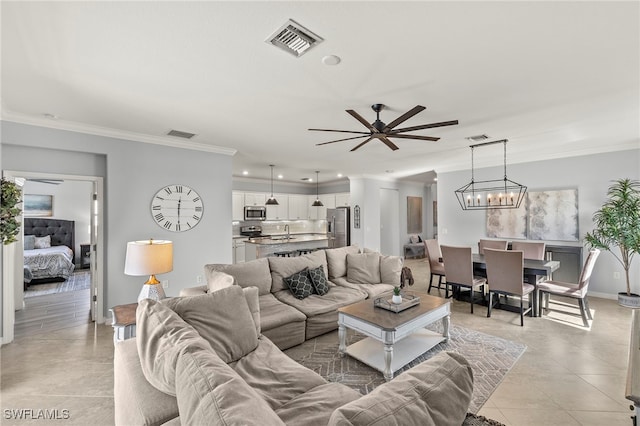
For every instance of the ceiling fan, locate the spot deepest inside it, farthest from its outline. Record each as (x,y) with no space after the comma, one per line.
(382,131)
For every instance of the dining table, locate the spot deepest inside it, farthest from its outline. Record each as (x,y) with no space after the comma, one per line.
(533,268)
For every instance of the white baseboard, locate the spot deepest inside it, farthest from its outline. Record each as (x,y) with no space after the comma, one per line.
(603,295)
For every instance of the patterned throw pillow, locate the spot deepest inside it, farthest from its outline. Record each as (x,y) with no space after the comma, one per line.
(319,281)
(300,284)
(42,242)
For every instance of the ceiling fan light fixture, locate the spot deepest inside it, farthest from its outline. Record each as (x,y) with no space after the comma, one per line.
(272,200)
(317,202)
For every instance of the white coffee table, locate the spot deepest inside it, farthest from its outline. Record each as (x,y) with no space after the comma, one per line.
(394,339)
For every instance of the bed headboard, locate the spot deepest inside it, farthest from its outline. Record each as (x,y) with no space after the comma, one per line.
(62,231)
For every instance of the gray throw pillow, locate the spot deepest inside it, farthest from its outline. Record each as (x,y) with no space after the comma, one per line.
(42,242)
(319,280)
(29,242)
(300,284)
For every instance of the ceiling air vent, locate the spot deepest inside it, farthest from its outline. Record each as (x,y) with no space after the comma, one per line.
(478,138)
(179,134)
(294,38)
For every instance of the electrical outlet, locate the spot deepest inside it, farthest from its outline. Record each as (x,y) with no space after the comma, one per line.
(199,279)
(165,283)
(616,275)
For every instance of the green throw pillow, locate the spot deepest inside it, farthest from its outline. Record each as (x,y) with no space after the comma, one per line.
(300,284)
(319,281)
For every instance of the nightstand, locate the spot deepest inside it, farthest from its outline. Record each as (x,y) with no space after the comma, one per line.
(124,321)
(85,256)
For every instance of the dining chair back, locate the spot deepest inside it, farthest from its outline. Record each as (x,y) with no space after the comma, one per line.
(505,271)
(531,249)
(571,290)
(492,244)
(436,267)
(458,267)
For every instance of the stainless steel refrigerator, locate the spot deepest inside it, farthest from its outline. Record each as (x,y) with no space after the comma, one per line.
(338,227)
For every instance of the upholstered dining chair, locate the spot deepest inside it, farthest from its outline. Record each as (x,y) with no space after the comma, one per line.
(458,268)
(432,250)
(574,291)
(505,276)
(492,244)
(531,249)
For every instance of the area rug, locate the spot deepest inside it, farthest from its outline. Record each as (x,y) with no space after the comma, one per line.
(490,358)
(80,280)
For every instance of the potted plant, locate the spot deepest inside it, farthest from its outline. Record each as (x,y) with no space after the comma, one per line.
(397,297)
(617,224)
(9,211)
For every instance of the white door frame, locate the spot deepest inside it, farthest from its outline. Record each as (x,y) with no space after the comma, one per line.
(11,272)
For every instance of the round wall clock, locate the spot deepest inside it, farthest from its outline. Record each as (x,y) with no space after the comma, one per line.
(177,208)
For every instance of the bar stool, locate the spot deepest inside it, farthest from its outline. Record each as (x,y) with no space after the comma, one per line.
(283,253)
(304,251)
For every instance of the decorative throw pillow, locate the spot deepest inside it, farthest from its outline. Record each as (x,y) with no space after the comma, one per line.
(217,280)
(363,268)
(29,242)
(300,284)
(319,280)
(42,242)
(413,239)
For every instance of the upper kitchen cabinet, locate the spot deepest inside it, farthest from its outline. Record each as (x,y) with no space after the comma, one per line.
(298,207)
(237,205)
(342,199)
(254,199)
(318,213)
(281,211)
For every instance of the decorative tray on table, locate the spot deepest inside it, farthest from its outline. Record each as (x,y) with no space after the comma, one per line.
(408,300)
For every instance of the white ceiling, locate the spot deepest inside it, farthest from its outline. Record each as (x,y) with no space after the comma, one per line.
(555,78)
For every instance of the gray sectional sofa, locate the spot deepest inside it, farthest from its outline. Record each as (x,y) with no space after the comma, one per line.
(205,360)
(287,321)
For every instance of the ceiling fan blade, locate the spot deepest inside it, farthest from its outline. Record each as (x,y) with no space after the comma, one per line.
(422,138)
(388,143)
(340,140)
(362,143)
(340,131)
(426,126)
(404,117)
(361,119)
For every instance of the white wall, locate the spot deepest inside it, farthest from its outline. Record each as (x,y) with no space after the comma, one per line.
(591,175)
(71,201)
(134,172)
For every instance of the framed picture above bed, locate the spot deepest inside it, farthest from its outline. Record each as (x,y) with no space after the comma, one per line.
(38,205)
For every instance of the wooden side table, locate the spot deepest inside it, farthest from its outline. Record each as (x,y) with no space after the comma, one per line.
(124,321)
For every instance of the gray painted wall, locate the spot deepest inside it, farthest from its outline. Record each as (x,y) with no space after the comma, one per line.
(134,172)
(591,175)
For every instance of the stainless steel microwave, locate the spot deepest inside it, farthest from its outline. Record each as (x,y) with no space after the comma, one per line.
(255,213)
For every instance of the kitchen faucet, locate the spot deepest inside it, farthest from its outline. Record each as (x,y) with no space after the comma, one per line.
(286,228)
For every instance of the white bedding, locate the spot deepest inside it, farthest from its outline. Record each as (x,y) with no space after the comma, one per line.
(51,262)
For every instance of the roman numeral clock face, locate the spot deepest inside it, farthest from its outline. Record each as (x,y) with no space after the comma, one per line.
(177,208)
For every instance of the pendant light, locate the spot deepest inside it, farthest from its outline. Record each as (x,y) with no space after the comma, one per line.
(317,202)
(491,194)
(272,200)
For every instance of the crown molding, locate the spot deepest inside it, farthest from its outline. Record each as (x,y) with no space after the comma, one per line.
(73,126)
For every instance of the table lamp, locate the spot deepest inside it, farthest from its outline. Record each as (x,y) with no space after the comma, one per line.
(149,257)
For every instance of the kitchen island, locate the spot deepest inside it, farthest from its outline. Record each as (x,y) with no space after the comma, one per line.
(267,246)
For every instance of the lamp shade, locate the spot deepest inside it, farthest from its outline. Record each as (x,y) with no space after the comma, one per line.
(149,257)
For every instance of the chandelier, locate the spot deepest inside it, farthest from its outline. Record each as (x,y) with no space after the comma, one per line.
(491,194)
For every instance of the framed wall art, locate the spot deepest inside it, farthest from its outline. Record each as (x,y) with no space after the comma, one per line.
(37,205)
(414,215)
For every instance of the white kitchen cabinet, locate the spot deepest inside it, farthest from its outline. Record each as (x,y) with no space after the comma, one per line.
(238,250)
(281,211)
(342,199)
(237,205)
(254,199)
(298,207)
(319,213)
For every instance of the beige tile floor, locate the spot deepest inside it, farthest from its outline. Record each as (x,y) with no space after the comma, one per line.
(567,376)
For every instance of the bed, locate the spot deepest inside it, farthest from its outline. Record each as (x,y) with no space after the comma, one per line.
(43,263)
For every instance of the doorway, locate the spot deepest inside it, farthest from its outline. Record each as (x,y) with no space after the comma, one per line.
(390,222)
(91,240)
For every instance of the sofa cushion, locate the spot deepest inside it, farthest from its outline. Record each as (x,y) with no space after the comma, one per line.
(217,280)
(315,406)
(209,392)
(222,318)
(319,280)
(313,305)
(300,284)
(337,260)
(437,392)
(390,269)
(274,313)
(253,302)
(254,273)
(364,268)
(282,267)
(372,290)
(161,334)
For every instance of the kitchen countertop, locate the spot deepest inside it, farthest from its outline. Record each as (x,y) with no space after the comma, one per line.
(281,239)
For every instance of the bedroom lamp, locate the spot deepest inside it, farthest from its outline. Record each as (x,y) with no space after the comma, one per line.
(149,257)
